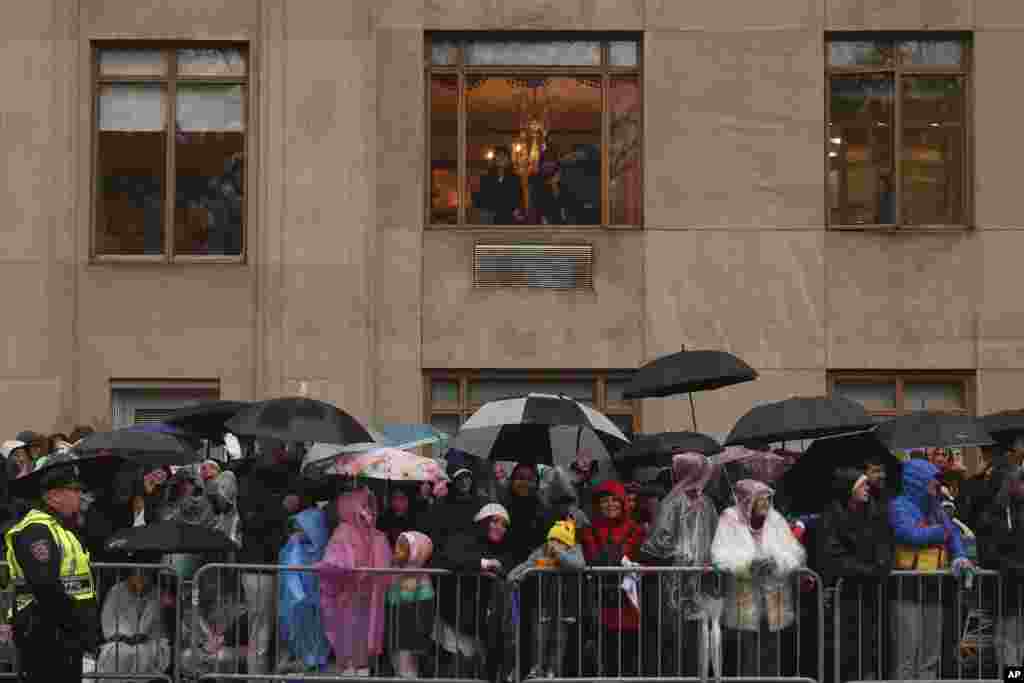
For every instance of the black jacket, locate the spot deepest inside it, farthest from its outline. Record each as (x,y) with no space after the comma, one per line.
(261,493)
(853,545)
(1000,534)
(464,597)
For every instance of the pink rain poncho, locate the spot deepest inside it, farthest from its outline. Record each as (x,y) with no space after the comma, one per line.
(352,602)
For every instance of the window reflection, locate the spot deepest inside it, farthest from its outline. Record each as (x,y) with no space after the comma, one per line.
(131,169)
(546,53)
(625,198)
(859,147)
(209,150)
(444,145)
(933,151)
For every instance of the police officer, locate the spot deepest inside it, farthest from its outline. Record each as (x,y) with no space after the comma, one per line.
(55,614)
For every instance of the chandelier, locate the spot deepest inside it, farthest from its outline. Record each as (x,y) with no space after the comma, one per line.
(534,118)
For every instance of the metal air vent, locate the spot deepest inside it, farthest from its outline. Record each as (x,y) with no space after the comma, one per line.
(548,266)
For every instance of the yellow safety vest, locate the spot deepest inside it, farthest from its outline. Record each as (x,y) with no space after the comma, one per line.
(75,568)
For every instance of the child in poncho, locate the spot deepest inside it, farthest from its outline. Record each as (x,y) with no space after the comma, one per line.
(301,629)
(410,603)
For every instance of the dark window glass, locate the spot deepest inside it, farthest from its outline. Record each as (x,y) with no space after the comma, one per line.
(131,169)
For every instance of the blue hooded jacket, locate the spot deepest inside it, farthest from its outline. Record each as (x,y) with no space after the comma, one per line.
(910,510)
(300,591)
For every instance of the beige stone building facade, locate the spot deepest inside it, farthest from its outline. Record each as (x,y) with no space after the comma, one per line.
(343,289)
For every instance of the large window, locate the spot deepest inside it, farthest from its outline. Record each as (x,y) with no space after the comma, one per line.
(897,130)
(170,150)
(453,395)
(528,131)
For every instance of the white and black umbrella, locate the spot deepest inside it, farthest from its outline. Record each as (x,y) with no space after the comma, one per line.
(539,429)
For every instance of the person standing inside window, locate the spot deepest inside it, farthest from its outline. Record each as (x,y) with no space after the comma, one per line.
(500,191)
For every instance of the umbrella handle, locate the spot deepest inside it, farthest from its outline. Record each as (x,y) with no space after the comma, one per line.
(693,412)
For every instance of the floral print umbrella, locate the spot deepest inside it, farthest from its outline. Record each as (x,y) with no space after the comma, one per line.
(389,464)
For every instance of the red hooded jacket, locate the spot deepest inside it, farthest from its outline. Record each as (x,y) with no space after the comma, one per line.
(605,543)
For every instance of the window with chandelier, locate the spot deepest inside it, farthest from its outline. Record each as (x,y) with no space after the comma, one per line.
(529,132)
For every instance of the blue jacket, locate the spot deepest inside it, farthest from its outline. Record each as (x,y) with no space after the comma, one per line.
(908,510)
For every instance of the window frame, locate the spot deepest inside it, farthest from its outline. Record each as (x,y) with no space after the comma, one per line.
(966,378)
(169,80)
(606,71)
(463,377)
(898,72)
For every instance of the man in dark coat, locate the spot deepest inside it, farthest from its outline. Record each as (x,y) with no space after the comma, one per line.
(1001,547)
(855,545)
(269,492)
(455,513)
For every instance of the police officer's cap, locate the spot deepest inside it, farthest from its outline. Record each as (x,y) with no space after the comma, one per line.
(60,477)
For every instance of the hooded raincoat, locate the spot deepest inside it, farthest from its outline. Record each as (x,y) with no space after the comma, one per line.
(352,602)
(605,544)
(410,599)
(749,600)
(300,620)
(926,538)
(682,534)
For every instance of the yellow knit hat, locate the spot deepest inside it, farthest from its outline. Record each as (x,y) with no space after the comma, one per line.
(564,531)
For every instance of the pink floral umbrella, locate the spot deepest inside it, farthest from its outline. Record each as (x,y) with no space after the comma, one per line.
(388,464)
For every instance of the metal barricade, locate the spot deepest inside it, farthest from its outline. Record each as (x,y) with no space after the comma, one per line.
(668,624)
(130,597)
(266,622)
(920,626)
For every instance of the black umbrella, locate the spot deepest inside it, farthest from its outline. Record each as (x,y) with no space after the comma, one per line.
(207,419)
(94,470)
(686,372)
(807,485)
(149,448)
(298,419)
(933,430)
(170,537)
(800,417)
(656,450)
(1004,426)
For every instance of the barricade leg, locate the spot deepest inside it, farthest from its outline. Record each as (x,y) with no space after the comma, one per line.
(1010,637)
(261,600)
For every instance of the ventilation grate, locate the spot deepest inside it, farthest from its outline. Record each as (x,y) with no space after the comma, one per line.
(150,415)
(548,266)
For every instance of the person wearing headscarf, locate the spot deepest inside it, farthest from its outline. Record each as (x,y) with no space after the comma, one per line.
(758,555)
(1001,547)
(299,616)
(468,631)
(614,540)
(926,540)
(681,537)
(410,602)
(857,547)
(352,602)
